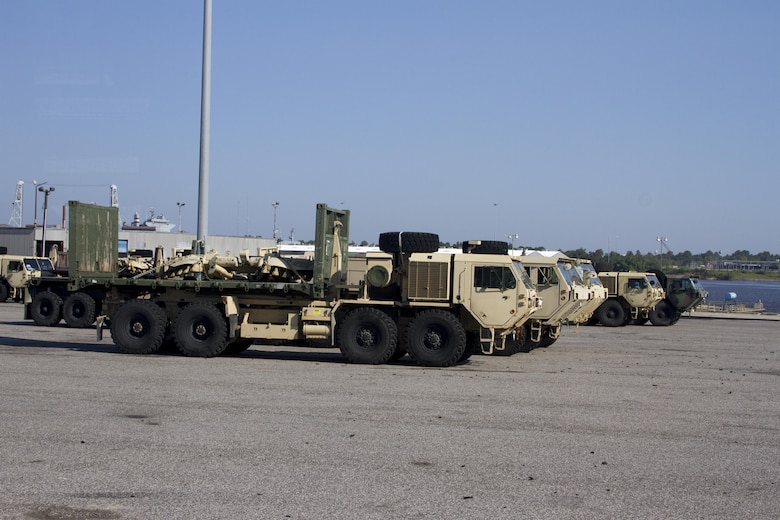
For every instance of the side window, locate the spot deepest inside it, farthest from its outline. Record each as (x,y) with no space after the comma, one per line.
(14,265)
(492,277)
(547,276)
(636,283)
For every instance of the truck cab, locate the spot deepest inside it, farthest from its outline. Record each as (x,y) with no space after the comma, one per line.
(631,297)
(562,290)
(17,270)
(597,292)
(683,293)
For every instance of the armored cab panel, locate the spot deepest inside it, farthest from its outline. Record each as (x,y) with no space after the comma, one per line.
(331,248)
(610,282)
(372,268)
(429,277)
(93,240)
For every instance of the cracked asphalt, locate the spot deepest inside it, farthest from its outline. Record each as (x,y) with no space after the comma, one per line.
(640,422)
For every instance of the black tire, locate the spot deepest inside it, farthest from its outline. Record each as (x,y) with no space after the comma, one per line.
(367,335)
(435,338)
(79,310)
(237,347)
(46,309)
(487,247)
(138,327)
(200,330)
(4,291)
(400,351)
(611,314)
(663,314)
(408,242)
(546,341)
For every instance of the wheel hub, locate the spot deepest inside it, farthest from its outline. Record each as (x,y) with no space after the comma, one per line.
(201,331)
(366,337)
(433,340)
(137,328)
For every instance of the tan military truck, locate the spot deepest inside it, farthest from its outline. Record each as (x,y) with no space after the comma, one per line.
(562,290)
(598,293)
(631,296)
(407,299)
(16,271)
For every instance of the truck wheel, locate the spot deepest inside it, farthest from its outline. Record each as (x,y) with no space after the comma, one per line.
(237,347)
(436,338)
(79,310)
(4,291)
(367,335)
(400,351)
(46,309)
(611,314)
(138,327)
(200,330)
(408,242)
(663,314)
(546,341)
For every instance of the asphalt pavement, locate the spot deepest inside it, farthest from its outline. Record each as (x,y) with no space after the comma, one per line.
(631,422)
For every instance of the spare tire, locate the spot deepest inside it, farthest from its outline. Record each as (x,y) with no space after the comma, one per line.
(487,247)
(408,242)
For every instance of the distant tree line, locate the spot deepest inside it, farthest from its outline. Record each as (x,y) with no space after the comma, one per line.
(684,261)
(637,261)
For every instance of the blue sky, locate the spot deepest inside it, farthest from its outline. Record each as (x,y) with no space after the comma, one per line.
(601,124)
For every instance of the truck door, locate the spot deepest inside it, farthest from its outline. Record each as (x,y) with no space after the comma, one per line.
(494,295)
(636,291)
(17,276)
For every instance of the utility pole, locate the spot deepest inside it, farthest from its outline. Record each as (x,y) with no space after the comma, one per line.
(276,230)
(45,192)
(180,204)
(205,125)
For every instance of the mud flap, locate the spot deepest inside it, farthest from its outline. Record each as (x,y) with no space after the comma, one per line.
(231,312)
(100,324)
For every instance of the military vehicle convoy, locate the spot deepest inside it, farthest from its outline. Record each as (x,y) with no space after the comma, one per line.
(683,293)
(16,271)
(598,293)
(405,299)
(563,293)
(630,296)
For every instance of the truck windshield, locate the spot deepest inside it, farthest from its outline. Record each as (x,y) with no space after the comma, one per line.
(523,275)
(654,282)
(588,268)
(570,274)
(38,264)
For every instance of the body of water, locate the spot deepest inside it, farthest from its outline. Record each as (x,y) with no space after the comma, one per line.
(747,293)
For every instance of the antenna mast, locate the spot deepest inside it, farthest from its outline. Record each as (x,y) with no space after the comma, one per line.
(16,213)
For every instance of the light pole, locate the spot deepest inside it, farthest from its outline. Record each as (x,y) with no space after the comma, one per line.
(35,212)
(45,192)
(276,231)
(495,208)
(180,204)
(512,237)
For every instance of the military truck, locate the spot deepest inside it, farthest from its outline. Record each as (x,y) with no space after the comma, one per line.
(598,293)
(76,293)
(405,299)
(683,293)
(631,296)
(16,271)
(562,290)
